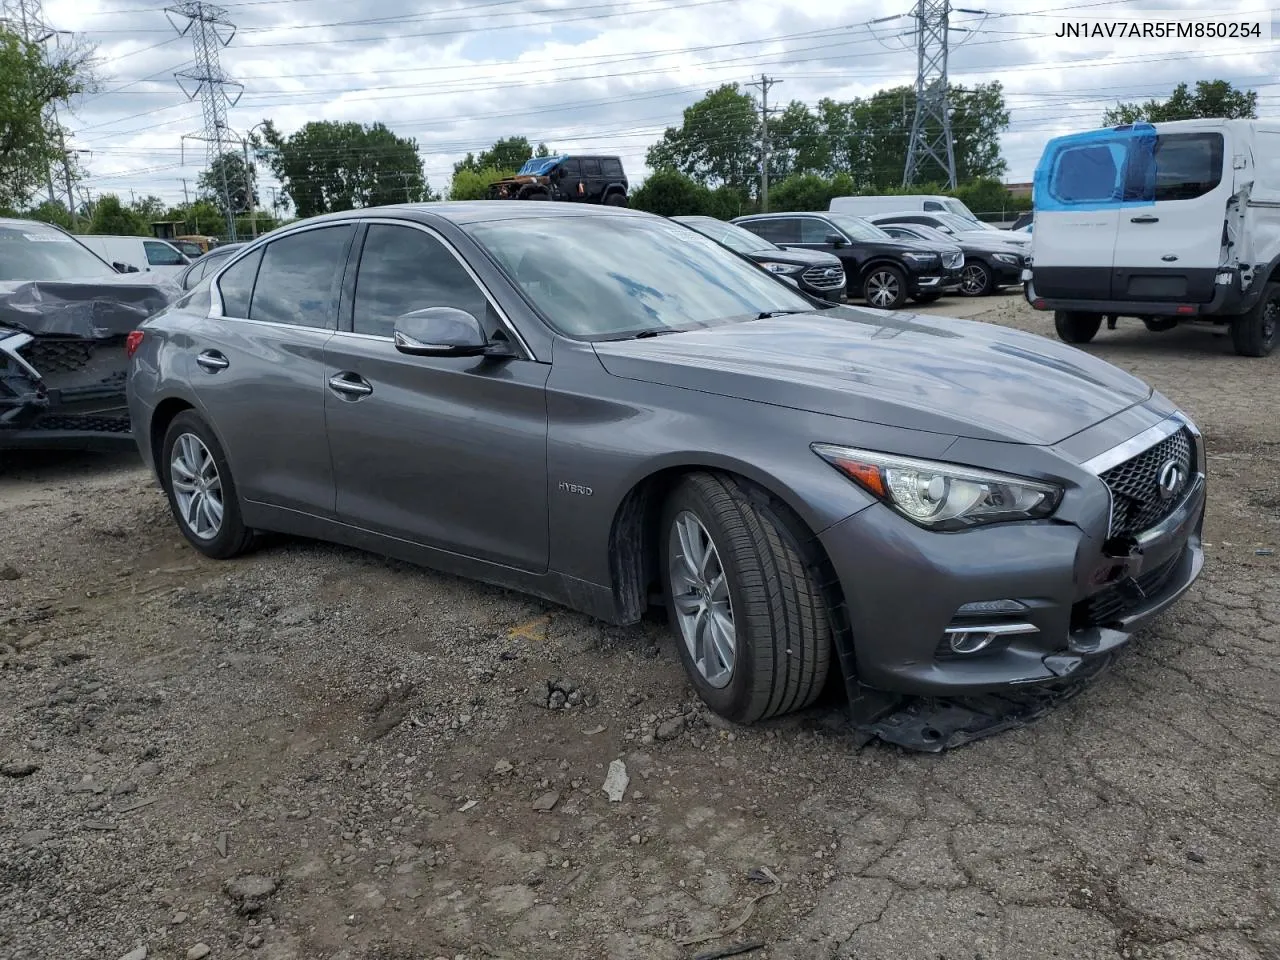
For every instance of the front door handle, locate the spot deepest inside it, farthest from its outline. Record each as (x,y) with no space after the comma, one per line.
(350,386)
(1144,219)
(213,361)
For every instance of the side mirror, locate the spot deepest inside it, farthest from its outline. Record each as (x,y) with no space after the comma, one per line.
(442,332)
(834,239)
(124,267)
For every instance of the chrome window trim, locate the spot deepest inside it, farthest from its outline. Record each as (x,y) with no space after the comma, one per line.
(216,307)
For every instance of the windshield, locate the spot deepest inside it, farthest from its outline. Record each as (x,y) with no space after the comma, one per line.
(611,277)
(32,251)
(958,209)
(731,235)
(855,228)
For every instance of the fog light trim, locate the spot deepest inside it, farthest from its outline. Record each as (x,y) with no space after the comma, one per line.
(973,639)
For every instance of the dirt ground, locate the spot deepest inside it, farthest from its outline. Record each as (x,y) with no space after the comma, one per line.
(315,754)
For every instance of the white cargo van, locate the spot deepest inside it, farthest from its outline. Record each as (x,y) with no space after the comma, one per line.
(870,206)
(1168,223)
(145,253)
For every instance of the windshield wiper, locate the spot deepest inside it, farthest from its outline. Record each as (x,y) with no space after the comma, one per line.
(770,314)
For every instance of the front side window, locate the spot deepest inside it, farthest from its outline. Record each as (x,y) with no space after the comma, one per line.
(612,168)
(813,230)
(932,205)
(630,276)
(403,269)
(235,286)
(591,167)
(162,255)
(299,281)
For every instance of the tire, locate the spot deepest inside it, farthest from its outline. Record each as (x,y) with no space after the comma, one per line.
(1159,324)
(926,297)
(1076,327)
(615,200)
(976,279)
(186,437)
(536,195)
(1253,334)
(777,612)
(887,284)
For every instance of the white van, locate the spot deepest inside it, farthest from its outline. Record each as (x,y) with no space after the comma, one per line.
(1167,223)
(870,206)
(146,254)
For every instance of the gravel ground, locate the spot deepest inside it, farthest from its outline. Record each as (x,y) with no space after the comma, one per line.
(313,754)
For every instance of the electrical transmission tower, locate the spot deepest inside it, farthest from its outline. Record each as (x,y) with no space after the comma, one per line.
(764,84)
(26,18)
(211,29)
(931,138)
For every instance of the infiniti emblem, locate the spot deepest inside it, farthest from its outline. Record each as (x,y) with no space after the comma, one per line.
(1170,479)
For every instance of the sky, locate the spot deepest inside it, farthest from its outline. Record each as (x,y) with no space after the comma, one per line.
(603,76)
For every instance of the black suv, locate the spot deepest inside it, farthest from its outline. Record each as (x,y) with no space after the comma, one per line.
(881,270)
(576,179)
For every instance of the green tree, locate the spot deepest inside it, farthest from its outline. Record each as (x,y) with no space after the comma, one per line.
(804,191)
(30,84)
(48,212)
(670,193)
(1210,99)
(509,153)
(328,166)
(112,217)
(798,143)
(149,208)
(241,182)
(471,184)
(716,142)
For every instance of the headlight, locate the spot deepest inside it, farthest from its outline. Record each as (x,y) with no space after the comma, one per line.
(1010,258)
(781,267)
(942,496)
(920,257)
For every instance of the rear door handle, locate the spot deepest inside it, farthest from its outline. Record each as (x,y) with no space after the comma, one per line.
(213,361)
(350,386)
(1144,219)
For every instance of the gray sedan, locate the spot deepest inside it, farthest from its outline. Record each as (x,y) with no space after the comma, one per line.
(607,410)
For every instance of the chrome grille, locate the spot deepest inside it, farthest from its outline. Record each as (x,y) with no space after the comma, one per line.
(1136,504)
(824,278)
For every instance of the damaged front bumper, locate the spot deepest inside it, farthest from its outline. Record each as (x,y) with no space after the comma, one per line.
(62,392)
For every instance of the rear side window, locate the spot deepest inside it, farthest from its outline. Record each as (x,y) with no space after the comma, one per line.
(161,254)
(300,278)
(195,274)
(591,167)
(782,230)
(1187,165)
(612,168)
(236,285)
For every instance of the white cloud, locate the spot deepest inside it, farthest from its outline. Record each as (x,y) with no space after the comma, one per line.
(604,75)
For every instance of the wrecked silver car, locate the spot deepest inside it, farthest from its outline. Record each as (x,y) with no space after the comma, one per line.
(65,316)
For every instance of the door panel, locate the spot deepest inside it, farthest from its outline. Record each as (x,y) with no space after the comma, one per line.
(259,369)
(1078,196)
(1169,245)
(450,452)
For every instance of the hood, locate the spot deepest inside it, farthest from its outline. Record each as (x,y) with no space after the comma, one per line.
(996,241)
(96,308)
(810,258)
(988,244)
(955,377)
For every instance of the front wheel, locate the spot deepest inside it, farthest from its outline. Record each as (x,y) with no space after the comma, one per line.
(744,600)
(885,287)
(1253,334)
(1076,327)
(202,495)
(976,279)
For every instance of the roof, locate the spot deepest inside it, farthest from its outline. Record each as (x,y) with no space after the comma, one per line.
(478,211)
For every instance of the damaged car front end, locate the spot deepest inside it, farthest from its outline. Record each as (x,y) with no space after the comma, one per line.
(65,315)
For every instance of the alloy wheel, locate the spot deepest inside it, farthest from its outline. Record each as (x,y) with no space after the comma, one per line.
(882,289)
(700,595)
(197,487)
(973,280)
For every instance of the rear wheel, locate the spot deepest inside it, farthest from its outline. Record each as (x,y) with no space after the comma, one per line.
(1076,327)
(1253,334)
(202,494)
(744,599)
(885,287)
(615,200)
(976,279)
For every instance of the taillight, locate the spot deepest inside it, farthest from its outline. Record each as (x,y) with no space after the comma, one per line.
(132,342)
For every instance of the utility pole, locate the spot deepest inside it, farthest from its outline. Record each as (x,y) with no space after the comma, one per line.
(765,84)
(186,198)
(211,29)
(66,173)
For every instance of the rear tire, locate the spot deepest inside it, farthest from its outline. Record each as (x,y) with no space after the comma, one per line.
(1253,334)
(884,287)
(1076,327)
(615,200)
(201,492)
(755,592)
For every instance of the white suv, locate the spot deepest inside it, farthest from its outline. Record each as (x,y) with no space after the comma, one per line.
(1169,223)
